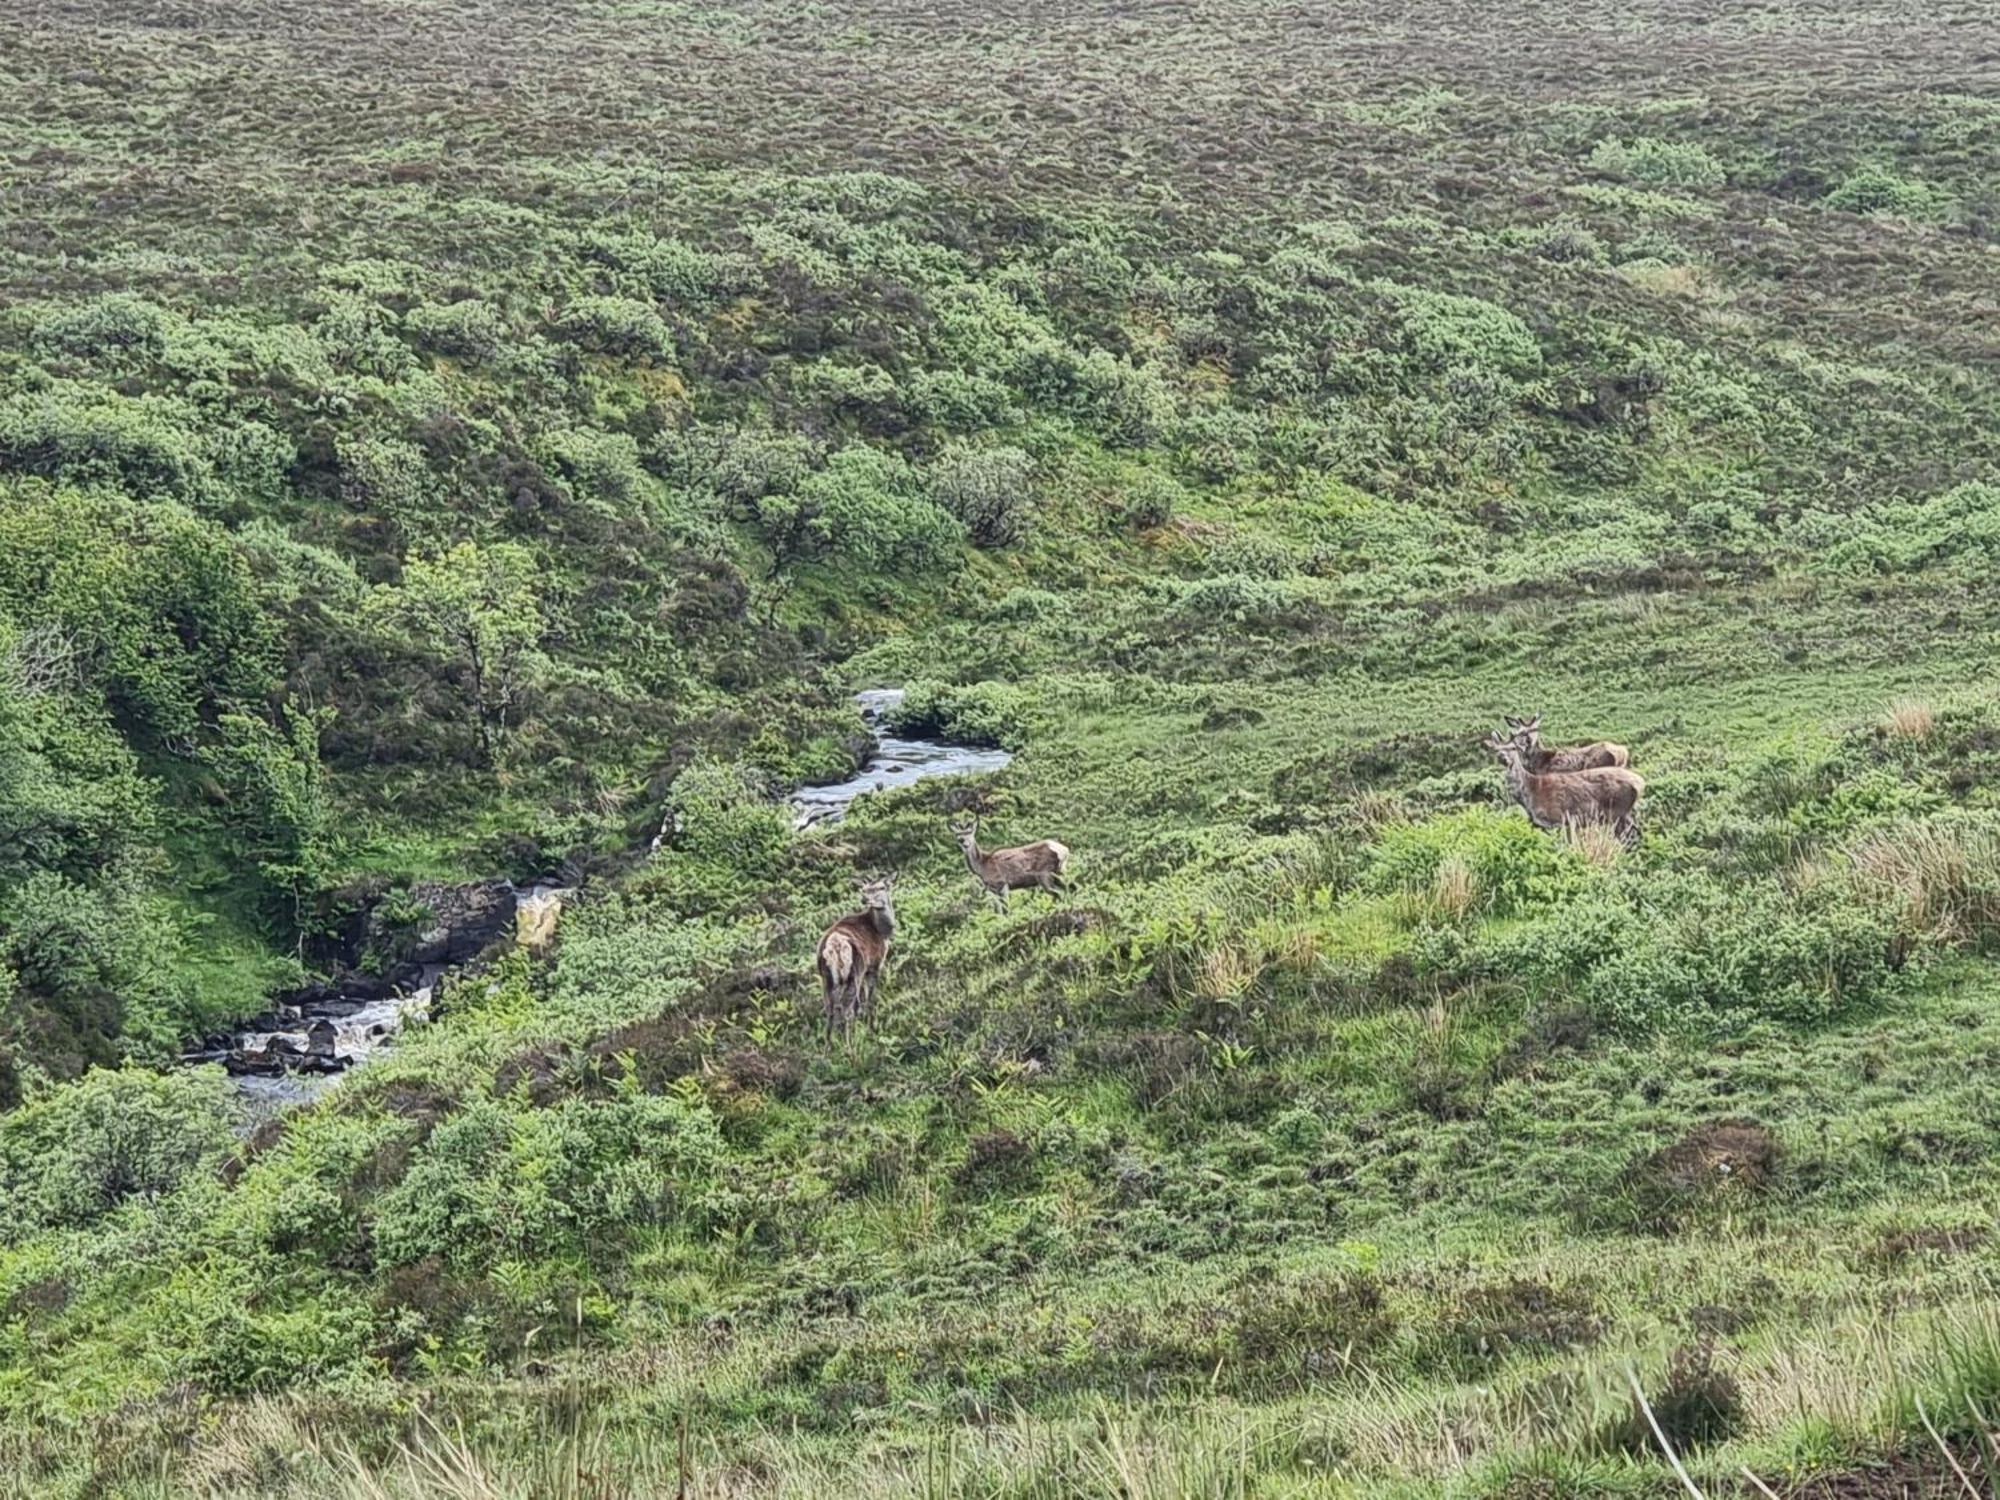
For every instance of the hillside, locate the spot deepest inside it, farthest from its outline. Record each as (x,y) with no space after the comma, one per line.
(446,444)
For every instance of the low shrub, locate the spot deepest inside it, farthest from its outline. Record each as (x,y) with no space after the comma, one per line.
(976,713)
(71,1155)
(1493,863)
(989,490)
(1658,163)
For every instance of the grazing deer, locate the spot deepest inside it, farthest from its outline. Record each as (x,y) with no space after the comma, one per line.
(1042,864)
(851,956)
(1541,760)
(1568,799)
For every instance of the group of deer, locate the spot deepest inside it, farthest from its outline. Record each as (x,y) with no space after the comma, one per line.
(1585,784)
(852,952)
(1557,788)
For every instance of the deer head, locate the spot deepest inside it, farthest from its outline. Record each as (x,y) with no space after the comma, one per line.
(967,833)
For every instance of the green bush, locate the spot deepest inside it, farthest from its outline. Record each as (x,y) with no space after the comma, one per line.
(865,506)
(469,329)
(117,326)
(74,1153)
(1448,331)
(723,812)
(977,713)
(1683,164)
(1152,499)
(1877,190)
(989,490)
(1516,869)
(619,326)
(162,606)
(579,1179)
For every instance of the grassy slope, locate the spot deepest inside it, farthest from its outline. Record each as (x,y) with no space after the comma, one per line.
(1256,1205)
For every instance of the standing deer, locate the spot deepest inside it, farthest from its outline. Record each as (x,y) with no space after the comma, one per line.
(1539,759)
(851,956)
(1568,799)
(1041,864)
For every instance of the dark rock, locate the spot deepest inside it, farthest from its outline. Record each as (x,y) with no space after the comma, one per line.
(321,1038)
(462,920)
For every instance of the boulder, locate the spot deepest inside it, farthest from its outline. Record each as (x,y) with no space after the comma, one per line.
(462,920)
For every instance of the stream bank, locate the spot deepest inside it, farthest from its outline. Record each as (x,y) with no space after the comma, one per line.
(312,1035)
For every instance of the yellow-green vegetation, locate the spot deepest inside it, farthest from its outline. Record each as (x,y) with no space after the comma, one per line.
(453,441)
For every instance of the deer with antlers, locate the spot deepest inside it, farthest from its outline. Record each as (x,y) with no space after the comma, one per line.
(852,953)
(1041,865)
(1541,760)
(1570,799)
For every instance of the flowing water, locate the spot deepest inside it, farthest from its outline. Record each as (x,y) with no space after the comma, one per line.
(294,1050)
(895,763)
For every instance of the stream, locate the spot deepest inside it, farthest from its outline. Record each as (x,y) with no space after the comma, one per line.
(292,1051)
(894,763)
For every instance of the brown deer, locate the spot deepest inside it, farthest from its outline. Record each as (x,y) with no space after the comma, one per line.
(851,956)
(1042,864)
(1568,799)
(1541,760)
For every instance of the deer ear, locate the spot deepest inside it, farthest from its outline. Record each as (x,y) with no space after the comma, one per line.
(1534,721)
(1512,722)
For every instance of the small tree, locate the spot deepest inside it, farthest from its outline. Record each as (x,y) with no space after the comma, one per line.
(479,607)
(989,490)
(283,813)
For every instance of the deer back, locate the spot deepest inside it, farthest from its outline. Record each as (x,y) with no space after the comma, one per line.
(1601,755)
(1024,862)
(1596,795)
(861,932)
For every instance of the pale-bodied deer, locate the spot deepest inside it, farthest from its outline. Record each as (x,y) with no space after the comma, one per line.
(1540,759)
(1570,799)
(852,953)
(1040,865)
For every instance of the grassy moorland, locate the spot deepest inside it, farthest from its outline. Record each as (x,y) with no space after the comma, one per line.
(440,441)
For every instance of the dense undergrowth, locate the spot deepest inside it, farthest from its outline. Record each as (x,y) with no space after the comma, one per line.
(447,442)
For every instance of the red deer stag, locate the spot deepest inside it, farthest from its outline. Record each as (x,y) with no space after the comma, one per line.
(1041,864)
(1541,760)
(851,956)
(1568,799)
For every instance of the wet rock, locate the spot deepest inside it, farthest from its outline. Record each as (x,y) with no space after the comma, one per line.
(321,1038)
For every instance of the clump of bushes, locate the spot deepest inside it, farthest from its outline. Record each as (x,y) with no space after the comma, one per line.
(1682,164)
(1502,863)
(72,1155)
(867,506)
(1152,500)
(1877,190)
(976,713)
(617,325)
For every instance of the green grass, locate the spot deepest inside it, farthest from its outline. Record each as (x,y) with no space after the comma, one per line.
(1371,377)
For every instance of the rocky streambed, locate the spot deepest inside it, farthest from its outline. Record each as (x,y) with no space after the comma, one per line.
(312,1035)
